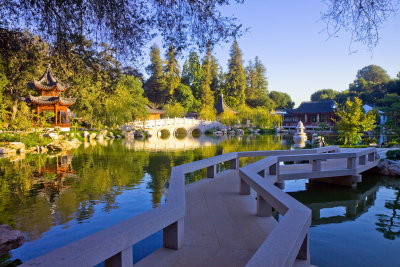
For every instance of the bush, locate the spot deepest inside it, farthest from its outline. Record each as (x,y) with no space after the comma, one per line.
(35,139)
(267,131)
(8,137)
(393,154)
(175,110)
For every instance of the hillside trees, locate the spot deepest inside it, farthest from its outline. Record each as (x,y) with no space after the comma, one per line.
(256,90)
(235,84)
(172,72)
(324,94)
(282,100)
(373,73)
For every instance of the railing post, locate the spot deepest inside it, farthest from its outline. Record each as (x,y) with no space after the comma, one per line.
(273,169)
(351,163)
(263,208)
(316,165)
(211,171)
(244,188)
(371,156)
(121,259)
(362,159)
(304,249)
(173,235)
(234,164)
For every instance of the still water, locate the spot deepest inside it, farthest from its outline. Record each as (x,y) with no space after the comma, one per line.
(57,199)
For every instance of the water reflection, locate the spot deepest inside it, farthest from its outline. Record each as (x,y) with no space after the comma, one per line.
(321,196)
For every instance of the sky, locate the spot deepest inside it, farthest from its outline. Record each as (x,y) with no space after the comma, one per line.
(290,39)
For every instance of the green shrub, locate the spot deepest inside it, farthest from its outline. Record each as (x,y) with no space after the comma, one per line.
(267,131)
(35,139)
(393,154)
(8,137)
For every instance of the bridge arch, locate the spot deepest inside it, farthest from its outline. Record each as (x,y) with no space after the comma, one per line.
(196,132)
(180,133)
(163,133)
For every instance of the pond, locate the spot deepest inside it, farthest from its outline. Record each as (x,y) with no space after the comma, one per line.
(57,199)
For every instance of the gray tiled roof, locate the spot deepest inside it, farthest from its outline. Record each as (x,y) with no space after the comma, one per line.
(325,106)
(152,110)
(221,106)
(51,100)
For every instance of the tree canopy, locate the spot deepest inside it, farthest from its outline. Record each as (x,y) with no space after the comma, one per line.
(324,94)
(373,73)
(282,100)
(127,25)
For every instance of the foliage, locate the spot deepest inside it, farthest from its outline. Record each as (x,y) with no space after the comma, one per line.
(126,103)
(208,113)
(324,94)
(155,86)
(228,118)
(35,139)
(206,95)
(353,121)
(235,83)
(174,110)
(260,117)
(23,119)
(393,154)
(171,71)
(128,25)
(256,91)
(282,100)
(391,106)
(184,96)
(373,73)
(8,137)
(192,74)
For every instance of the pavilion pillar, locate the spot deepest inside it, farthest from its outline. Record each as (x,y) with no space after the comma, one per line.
(55,112)
(305,117)
(37,115)
(66,117)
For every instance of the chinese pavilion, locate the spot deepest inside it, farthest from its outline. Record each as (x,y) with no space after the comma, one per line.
(50,99)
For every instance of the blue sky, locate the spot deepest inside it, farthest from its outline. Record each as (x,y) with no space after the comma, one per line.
(290,39)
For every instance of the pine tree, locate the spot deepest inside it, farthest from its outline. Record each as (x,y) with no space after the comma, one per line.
(155,86)
(235,86)
(172,72)
(206,95)
(216,74)
(256,92)
(191,74)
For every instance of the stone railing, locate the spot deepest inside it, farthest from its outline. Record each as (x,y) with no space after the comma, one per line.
(288,241)
(170,121)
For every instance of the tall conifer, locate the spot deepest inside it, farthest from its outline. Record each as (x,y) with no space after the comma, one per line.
(172,72)
(235,85)
(256,92)
(155,86)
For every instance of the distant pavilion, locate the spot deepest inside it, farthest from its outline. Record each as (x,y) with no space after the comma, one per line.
(154,114)
(50,99)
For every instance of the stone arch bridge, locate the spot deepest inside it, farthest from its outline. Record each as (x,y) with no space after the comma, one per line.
(172,126)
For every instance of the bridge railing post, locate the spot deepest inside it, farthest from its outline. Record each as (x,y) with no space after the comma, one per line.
(273,169)
(362,159)
(211,171)
(263,208)
(316,165)
(173,235)
(351,163)
(244,188)
(121,259)
(234,164)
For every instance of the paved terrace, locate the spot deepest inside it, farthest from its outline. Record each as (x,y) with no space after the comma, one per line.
(227,220)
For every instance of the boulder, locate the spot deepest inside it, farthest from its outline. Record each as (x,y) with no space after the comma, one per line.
(53,136)
(10,239)
(139,134)
(7,150)
(130,134)
(18,146)
(389,167)
(119,136)
(231,132)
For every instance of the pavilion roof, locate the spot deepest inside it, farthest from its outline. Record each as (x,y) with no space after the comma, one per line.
(152,110)
(49,100)
(221,106)
(49,82)
(324,106)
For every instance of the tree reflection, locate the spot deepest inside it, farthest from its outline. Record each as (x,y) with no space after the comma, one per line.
(389,225)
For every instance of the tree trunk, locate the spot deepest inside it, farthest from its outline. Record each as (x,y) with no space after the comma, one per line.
(14,109)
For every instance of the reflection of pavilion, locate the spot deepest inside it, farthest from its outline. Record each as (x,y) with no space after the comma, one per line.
(319,196)
(62,169)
